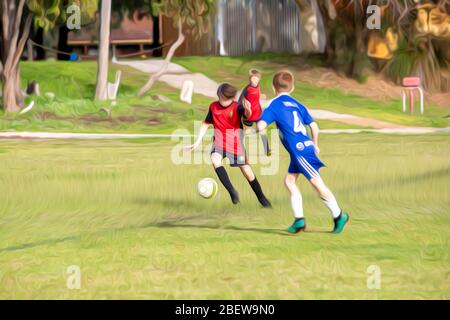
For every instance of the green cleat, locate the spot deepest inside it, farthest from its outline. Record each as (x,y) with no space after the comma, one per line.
(297,226)
(340,222)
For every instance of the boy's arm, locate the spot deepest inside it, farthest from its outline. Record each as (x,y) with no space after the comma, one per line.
(315,135)
(203,129)
(266,119)
(261,126)
(247,108)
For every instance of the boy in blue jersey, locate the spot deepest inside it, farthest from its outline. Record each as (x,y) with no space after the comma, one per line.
(292,118)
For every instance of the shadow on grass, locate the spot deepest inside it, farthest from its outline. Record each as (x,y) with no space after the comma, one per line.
(162,225)
(168,203)
(38,244)
(167,224)
(170,223)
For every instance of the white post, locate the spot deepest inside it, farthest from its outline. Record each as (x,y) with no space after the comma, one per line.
(187,91)
(421,100)
(103,51)
(404,100)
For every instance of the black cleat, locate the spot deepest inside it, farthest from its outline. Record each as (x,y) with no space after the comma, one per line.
(265,203)
(234,197)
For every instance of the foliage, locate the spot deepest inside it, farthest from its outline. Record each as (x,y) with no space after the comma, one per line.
(47,13)
(417,52)
(193,14)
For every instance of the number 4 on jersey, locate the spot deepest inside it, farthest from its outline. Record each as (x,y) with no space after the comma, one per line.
(298,125)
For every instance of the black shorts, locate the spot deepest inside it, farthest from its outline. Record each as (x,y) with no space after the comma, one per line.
(236,160)
(248,123)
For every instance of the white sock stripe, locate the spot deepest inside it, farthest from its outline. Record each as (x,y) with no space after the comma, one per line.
(310,166)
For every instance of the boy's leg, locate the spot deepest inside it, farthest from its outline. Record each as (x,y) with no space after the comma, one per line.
(216,159)
(296,203)
(265,142)
(256,187)
(326,195)
(296,197)
(340,217)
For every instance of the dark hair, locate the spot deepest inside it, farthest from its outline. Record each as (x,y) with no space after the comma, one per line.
(226,90)
(283,81)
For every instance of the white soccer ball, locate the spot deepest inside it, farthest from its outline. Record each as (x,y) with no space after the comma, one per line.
(207,188)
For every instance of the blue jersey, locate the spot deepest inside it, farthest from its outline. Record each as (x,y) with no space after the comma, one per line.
(291,118)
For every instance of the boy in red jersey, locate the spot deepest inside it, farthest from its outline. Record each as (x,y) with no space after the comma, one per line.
(250,99)
(226,115)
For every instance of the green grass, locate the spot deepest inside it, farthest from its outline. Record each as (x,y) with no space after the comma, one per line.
(235,70)
(132,221)
(74,110)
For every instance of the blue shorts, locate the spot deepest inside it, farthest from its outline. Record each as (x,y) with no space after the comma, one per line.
(306,163)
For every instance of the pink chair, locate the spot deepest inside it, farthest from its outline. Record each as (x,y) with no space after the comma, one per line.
(411,84)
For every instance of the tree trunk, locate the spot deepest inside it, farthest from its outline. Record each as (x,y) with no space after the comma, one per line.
(14,40)
(167,60)
(29,51)
(39,39)
(19,94)
(10,103)
(156,39)
(103,54)
(63,36)
(13,98)
(329,23)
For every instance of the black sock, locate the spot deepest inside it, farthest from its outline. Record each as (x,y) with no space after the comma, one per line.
(223,177)
(259,193)
(265,144)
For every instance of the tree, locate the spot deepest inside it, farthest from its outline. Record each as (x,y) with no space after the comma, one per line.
(17,18)
(346,34)
(194,15)
(103,52)
(88,10)
(14,35)
(424,39)
(419,52)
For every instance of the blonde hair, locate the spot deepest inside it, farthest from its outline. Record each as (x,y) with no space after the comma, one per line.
(254,73)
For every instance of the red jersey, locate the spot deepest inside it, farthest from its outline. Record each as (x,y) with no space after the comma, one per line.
(227,126)
(253,94)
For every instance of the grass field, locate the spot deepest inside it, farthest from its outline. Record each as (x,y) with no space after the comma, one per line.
(235,70)
(73,108)
(133,223)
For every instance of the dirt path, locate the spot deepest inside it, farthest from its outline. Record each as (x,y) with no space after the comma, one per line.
(175,75)
(353,120)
